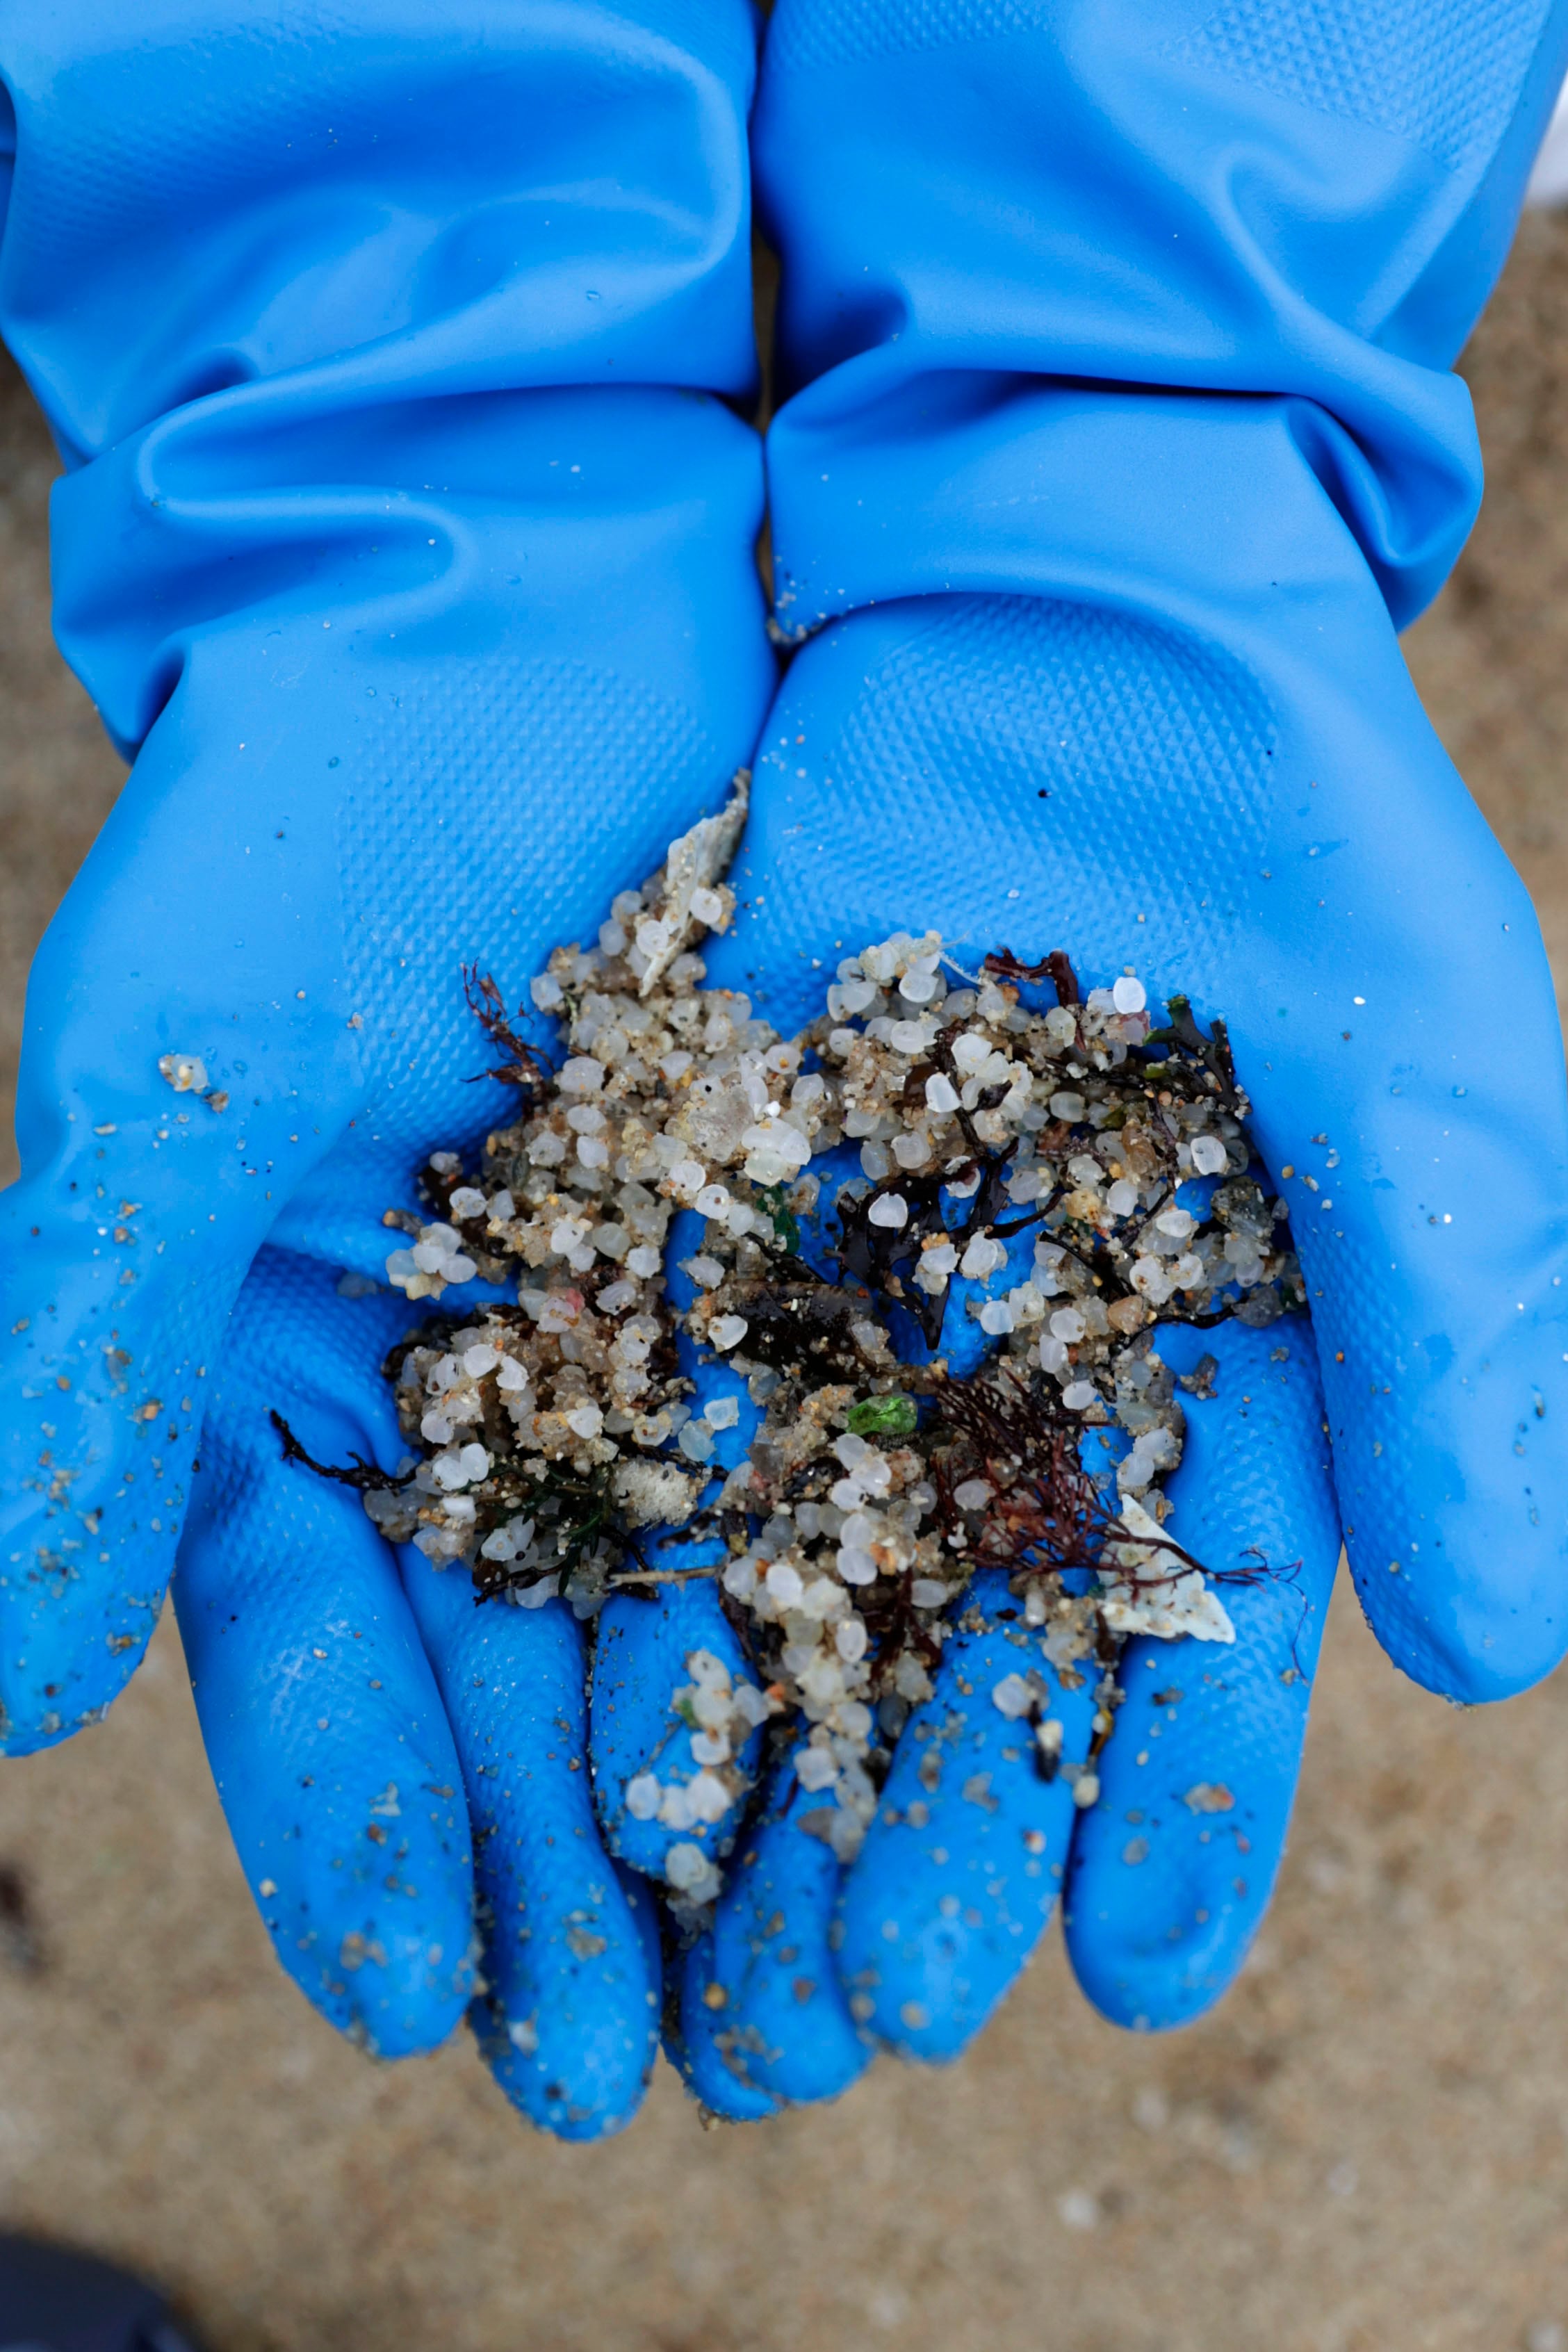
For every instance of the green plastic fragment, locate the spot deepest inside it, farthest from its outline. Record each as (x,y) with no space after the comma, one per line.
(883,1416)
(775,1201)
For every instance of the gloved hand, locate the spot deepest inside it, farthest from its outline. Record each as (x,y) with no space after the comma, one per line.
(408,547)
(1125,440)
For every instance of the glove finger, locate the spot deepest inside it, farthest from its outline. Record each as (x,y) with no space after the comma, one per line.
(1174,1868)
(664,1785)
(707,2066)
(953,1886)
(1431,1242)
(666,1782)
(568,2015)
(762,2001)
(323,1726)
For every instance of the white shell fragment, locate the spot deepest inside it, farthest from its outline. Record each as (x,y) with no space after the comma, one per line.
(187,1072)
(693,867)
(1159,1594)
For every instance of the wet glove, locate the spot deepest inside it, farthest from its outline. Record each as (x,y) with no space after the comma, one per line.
(1123,440)
(405,545)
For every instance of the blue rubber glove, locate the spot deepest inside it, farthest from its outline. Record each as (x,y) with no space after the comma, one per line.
(1122,441)
(406,544)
